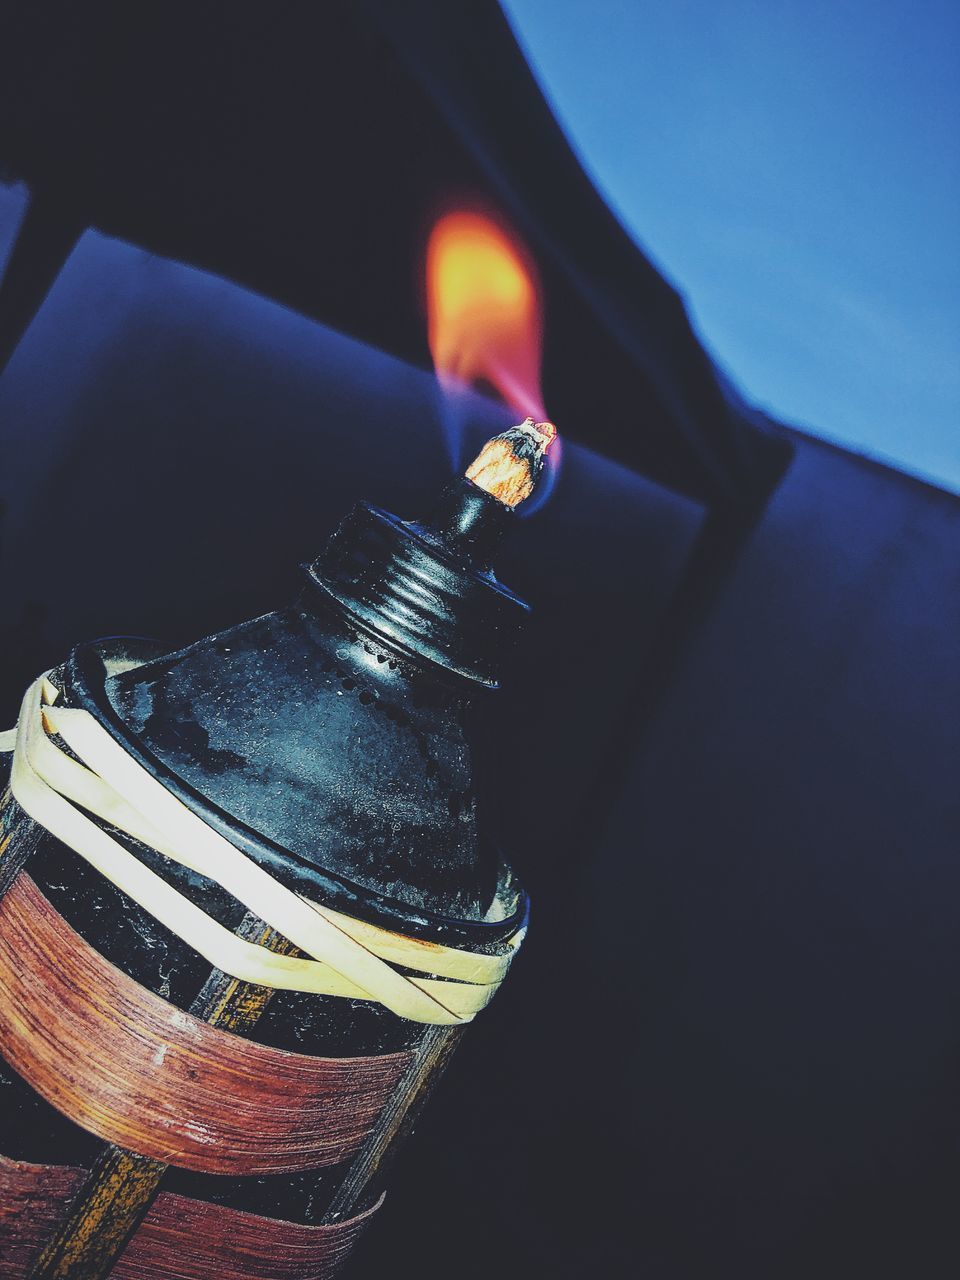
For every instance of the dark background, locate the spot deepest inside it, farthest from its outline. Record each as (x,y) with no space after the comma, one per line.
(731,1044)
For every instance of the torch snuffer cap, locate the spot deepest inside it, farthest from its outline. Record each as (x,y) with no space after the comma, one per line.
(509,466)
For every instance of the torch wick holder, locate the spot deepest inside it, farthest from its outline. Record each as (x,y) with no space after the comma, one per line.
(469,520)
(426,589)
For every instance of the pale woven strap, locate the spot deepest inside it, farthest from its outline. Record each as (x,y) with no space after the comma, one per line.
(351,958)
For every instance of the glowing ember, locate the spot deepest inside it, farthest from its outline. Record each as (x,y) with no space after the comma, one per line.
(483,310)
(509,465)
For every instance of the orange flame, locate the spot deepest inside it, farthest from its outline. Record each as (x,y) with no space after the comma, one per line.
(484,315)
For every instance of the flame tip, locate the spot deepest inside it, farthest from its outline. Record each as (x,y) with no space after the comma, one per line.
(484,314)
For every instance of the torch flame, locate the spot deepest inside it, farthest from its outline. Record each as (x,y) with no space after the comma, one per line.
(484,314)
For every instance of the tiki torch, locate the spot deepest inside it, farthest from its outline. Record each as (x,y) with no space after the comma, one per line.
(249,903)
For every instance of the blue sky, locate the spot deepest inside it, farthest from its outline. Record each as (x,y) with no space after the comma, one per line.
(794,168)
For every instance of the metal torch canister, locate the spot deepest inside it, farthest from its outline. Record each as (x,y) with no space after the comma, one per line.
(330,742)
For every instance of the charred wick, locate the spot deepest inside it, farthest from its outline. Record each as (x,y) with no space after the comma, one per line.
(510,465)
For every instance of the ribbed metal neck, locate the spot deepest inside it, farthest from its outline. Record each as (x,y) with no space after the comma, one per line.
(426,588)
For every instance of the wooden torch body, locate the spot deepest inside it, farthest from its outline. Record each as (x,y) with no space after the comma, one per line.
(167,1115)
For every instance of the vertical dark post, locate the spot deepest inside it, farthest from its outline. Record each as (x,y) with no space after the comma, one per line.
(719,544)
(399,1115)
(49,231)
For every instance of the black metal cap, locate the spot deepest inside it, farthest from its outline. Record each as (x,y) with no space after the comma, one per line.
(329,739)
(427,588)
